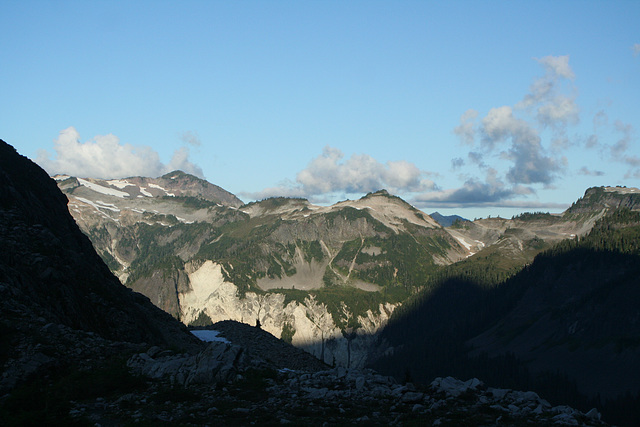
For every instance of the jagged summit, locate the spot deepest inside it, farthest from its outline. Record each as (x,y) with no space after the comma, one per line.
(276,206)
(178,174)
(173,184)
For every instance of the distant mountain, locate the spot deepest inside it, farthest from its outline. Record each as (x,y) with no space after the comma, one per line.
(448,220)
(506,245)
(174,184)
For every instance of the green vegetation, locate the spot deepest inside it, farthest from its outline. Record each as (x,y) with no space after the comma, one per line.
(192,202)
(311,250)
(109,260)
(272,203)
(617,232)
(536,216)
(288,331)
(160,218)
(151,243)
(202,321)
(460,224)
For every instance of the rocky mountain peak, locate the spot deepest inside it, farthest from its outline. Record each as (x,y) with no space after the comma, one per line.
(174,184)
(276,206)
(598,199)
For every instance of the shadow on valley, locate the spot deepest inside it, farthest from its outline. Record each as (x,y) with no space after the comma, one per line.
(567,326)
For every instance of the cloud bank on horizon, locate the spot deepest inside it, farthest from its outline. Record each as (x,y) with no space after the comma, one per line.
(510,152)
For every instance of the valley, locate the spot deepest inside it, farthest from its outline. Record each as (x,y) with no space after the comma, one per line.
(75,338)
(310,274)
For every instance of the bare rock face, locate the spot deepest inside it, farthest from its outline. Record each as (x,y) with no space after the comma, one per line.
(311,325)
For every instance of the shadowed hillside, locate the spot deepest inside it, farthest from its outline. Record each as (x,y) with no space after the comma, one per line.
(567,326)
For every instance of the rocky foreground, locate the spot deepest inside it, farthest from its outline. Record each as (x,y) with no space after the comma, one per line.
(249,380)
(253,378)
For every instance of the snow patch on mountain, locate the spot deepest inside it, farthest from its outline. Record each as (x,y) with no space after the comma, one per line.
(101,189)
(152,185)
(98,206)
(120,183)
(144,191)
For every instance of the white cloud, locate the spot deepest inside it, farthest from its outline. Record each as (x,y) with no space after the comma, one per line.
(500,124)
(513,134)
(473,193)
(457,163)
(190,138)
(287,189)
(557,65)
(477,158)
(530,163)
(465,130)
(105,156)
(588,172)
(558,112)
(330,173)
(636,49)
(553,109)
(180,161)
(620,150)
(517,138)
(360,173)
(531,166)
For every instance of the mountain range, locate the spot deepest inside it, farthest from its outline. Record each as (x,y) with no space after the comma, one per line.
(79,348)
(313,275)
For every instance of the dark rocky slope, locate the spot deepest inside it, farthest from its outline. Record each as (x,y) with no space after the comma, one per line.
(51,275)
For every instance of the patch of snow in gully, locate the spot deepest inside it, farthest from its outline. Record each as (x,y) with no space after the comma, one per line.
(209,335)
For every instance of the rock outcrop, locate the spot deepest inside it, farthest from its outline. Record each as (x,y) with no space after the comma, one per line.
(309,321)
(223,360)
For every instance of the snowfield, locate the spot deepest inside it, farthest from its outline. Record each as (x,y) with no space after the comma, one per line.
(209,335)
(101,189)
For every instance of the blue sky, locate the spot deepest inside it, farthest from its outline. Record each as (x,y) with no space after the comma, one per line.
(477,108)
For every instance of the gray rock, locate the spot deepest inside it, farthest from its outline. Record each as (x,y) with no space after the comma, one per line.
(593,414)
(412,397)
(418,408)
